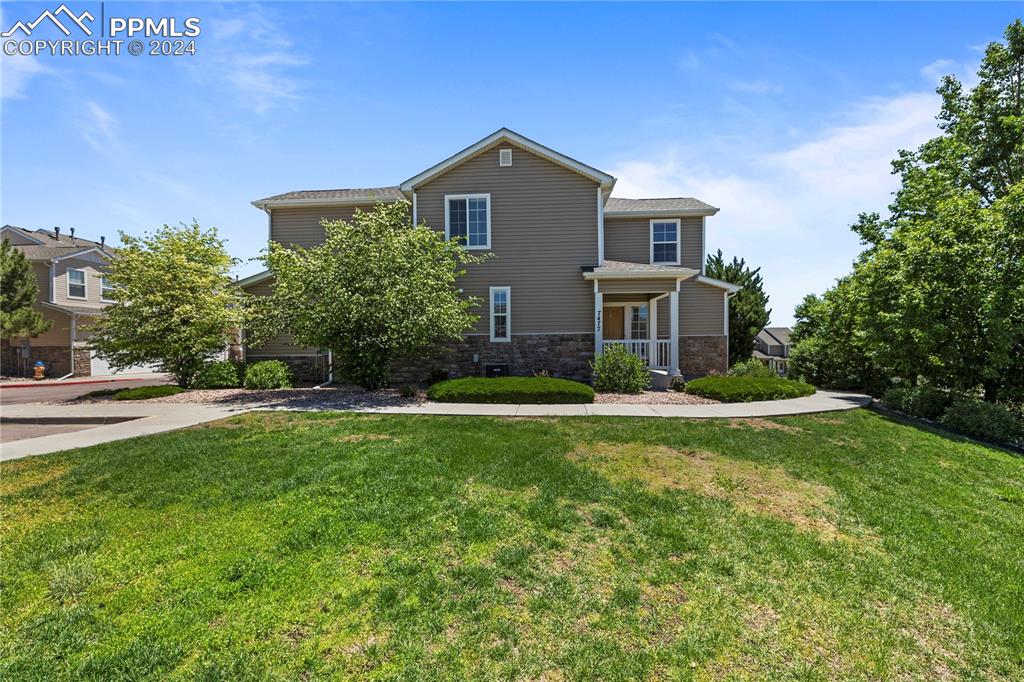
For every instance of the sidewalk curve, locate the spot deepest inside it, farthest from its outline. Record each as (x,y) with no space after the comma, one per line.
(158,418)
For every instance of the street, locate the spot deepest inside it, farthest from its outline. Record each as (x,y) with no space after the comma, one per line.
(66,391)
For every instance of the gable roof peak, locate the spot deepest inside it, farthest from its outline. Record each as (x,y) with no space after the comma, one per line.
(605,180)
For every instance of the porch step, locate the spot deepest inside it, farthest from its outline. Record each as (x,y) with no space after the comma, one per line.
(660,379)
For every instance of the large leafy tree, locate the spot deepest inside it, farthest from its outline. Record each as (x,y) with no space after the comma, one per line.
(175,305)
(748,309)
(940,285)
(18,291)
(376,291)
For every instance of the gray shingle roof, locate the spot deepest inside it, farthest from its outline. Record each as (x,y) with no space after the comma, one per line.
(51,246)
(617,205)
(623,268)
(354,194)
(781,334)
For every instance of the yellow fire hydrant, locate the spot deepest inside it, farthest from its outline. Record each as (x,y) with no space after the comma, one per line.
(40,371)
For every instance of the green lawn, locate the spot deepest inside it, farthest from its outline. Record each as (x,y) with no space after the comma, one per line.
(336,546)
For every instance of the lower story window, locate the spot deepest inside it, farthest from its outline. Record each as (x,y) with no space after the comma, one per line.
(501,314)
(638,322)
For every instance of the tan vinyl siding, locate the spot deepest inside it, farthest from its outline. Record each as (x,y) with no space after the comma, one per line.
(629,239)
(59,333)
(301,226)
(93,271)
(543,230)
(42,273)
(280,345)
(701,309)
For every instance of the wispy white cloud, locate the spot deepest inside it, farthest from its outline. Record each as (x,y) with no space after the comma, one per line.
(254,57)
(757,87)
(782,206)
(98,127)
(16,72)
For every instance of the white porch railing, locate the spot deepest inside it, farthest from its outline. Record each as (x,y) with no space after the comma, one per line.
(659,358)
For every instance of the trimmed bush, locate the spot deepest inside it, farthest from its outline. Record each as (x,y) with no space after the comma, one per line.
(147,392)
(616,370)
(220,374)
(530,390)
(268,374)
(988,421)
(918,401)
(751,367)
(748,389)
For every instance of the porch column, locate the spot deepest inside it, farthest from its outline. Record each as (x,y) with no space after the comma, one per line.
(598,319)
(673,316)
(652,328)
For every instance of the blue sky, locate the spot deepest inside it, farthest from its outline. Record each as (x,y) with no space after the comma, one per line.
(784,115)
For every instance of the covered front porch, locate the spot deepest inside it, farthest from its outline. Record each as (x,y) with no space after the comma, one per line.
(637,305)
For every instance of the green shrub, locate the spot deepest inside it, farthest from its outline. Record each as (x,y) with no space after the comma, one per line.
(896,398)
(220,374)
(147,392)
(616,370)
(988,421)
(408,391)
(268,374)
(101,393)
(747,389)
(677,384)
(918,401)
(751,367)
(530,390)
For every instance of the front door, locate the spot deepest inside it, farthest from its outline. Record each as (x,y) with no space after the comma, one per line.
(614,322)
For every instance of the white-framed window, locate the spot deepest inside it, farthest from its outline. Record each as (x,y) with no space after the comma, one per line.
(638,322)
(665,242)
(76,283)
(501,313)
(106,289)
(467,218)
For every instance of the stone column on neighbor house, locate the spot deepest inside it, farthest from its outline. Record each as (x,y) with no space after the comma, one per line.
(598,319)
(673,322)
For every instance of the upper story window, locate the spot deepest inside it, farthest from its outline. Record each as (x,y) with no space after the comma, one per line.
(665,242)
(501,314)
(76,283)
(106,289)
(468,218)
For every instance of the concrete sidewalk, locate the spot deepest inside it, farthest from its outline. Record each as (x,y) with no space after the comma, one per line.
(157,418)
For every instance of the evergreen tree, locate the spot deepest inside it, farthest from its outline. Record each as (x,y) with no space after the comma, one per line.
(18,291)
(748,309)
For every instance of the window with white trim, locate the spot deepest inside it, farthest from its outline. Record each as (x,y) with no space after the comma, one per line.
(467,218)
(501,313)
(106,289)
(665,242)
(76,283)
(638,322)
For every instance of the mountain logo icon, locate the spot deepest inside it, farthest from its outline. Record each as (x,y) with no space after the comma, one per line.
(77,20)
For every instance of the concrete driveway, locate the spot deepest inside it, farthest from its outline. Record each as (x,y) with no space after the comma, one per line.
(68,390)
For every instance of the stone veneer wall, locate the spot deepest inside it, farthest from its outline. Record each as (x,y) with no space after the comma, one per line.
(699,355)
(57,359)
(83,362)
(560,355)
(306,369)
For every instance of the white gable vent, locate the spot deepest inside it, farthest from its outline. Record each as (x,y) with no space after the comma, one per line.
(504,157)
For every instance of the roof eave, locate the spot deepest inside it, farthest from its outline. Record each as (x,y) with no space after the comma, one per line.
(264,204)
(663,213)
(254,279)
(721,284)
(674,273)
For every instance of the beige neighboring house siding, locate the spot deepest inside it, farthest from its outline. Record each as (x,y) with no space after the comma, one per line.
(543,230)
(59,333)
(93,271)
(300,226)
(638,287)
(629,239)
(282,344)
(42,273)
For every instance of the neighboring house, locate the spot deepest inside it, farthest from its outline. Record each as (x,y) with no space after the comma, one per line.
(574,270)
(72,293)
(771,346)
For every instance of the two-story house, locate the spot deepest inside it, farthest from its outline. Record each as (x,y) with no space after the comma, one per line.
(73,291)
(573,269)
(772,346)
